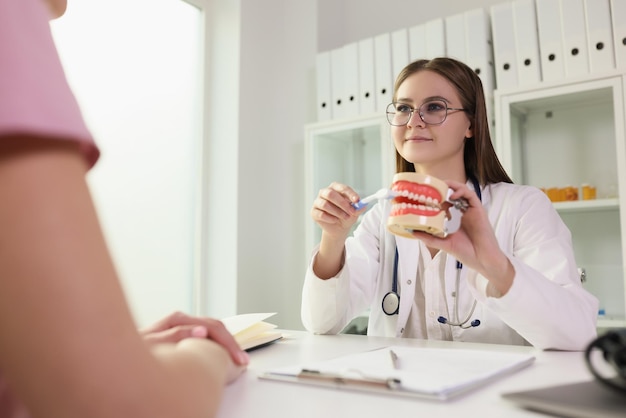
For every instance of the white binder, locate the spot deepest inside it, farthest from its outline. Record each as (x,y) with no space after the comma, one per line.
(455,37)
(322,75)
(367,81)
(574,38)
(526,42)
(399,50)
(618,17)
(550,40)
(417,42)
(435,39)
(599,35)
(337,84)
(382,71)
(504,50)
(351,79)
(478,46)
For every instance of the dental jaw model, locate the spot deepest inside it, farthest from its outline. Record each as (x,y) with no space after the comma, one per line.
(421,203)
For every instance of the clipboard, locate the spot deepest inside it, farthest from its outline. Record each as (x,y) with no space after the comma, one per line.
(418,372)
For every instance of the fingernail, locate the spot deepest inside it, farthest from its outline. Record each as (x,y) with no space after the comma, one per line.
(199,332)
(243,357)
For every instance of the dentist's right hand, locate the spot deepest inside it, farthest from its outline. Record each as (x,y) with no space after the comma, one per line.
(333,212)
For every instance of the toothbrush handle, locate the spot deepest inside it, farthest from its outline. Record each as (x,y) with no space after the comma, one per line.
(359,205)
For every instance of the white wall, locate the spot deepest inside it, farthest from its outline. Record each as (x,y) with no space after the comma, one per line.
(263,149)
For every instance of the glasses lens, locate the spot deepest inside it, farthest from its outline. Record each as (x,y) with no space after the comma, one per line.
(398,114)
(434,112)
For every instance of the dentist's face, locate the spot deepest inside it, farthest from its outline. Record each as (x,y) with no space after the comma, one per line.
(57,7)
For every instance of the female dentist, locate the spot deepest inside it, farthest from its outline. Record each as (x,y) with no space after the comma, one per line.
(507,276)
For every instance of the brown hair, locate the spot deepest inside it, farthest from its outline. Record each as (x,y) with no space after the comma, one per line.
(481,161)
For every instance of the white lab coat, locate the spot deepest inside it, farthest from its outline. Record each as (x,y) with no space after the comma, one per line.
(546,306)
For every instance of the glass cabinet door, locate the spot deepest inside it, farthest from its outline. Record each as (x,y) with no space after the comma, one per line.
(358,153)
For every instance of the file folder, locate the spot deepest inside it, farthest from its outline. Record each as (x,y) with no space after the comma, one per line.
(399,50)
(618,19)
(504,50)
(322,75)
(417,42)
(526,42)
(550,41)
(367,81)
(455,37)
(479,47)
(435,39)
(351,80)
(599,35)
(382,71)
(337,84)
(574,37)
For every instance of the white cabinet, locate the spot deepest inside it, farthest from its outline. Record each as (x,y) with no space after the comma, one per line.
(570,133)
(358,152)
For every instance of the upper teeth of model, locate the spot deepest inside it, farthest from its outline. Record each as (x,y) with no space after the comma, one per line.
(426,200)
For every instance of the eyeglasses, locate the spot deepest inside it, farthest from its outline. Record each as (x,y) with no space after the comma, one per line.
(433,112)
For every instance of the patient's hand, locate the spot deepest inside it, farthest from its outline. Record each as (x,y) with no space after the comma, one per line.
(179,326)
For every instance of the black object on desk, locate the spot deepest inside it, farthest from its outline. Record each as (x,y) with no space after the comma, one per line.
(602,397)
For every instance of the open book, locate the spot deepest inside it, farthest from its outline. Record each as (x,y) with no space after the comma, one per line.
(435,373)
(251,331)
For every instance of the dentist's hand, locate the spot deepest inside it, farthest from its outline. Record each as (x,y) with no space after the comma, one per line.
(333,212)
(475,244)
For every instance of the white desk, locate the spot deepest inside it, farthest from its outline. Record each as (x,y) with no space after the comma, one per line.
(250,397)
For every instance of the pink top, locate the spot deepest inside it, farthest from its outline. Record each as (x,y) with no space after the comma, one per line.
(34,95)
(35,99)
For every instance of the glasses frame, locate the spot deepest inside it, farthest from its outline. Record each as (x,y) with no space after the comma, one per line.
(420,113)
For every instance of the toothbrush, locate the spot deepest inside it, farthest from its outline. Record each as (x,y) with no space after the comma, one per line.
(380,194)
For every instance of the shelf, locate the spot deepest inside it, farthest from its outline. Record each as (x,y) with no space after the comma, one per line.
(608,322)
(587,205)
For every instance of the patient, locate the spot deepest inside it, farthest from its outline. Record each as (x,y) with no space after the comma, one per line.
(69,346)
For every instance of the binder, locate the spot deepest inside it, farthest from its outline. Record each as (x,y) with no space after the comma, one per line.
(417,42)
(574,38)
(504,49)
(322,75)
(618,20)
(367,81)
(382,71)
(435,38)
(351,80)
(455,37)
(337,84)
(599,35)
(399,50)
(479,47)
(526,42)
(550,27)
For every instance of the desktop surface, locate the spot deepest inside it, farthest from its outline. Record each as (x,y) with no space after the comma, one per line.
(251,397)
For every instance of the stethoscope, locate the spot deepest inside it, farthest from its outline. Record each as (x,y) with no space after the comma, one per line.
(391,301)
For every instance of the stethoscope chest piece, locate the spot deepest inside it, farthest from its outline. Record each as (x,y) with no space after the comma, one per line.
(391,303)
